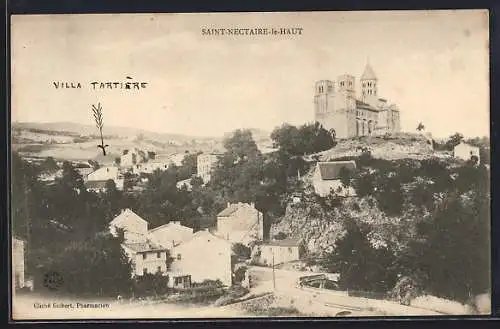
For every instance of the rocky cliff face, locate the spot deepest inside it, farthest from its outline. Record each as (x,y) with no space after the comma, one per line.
(319,224)
(390,147)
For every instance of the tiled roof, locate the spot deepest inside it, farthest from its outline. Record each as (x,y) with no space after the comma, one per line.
(283,243)
(171,225)
(365,106)
(127,213)
(96,184)
(143,247)
(331,170)
(231,209)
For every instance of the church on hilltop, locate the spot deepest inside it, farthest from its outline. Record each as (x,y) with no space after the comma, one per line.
(340,111)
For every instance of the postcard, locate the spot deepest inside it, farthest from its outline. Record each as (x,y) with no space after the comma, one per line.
(241,165)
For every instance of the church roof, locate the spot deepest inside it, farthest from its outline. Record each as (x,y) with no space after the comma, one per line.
(368,74)
(365,106)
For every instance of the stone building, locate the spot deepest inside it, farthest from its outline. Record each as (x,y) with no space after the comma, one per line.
(240,223)
(205,163)
(339,110)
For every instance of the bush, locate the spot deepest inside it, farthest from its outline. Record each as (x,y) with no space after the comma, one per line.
(280,236)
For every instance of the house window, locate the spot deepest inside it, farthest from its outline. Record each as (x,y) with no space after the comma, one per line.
(144,271)
(158,269)
(144,256)
(289,250)
(158,255)
(178,256)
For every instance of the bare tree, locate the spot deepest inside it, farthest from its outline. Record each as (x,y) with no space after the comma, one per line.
(97,110)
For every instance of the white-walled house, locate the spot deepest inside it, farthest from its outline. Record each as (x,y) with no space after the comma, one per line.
(204,165)
(170,234)
(240,223)
(176,158)
(466,151)
(131,157)
(135,228)
(184,183)
(102,175)
(146,257)
(283,251)
(326,178)
(203,257)
(149,167)
(17,263)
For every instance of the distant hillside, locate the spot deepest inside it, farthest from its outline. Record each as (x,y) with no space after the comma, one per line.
(73,141)
(87,130)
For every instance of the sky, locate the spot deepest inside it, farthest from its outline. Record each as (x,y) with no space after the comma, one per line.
(433,64)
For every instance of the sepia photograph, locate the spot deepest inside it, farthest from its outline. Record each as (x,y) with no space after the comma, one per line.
(250,165)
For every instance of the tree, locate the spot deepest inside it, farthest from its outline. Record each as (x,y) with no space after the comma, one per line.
(238,173)
(49,165)
(151,155)
(98,266)
(188,167)
(361,266)
(307,139)
(241,251)
(420,126)
(454,140)
(345,176)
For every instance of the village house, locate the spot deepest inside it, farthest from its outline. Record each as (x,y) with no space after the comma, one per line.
(85,172)
(50,179)
(240,223)
(204,165)
(96,180)
(184,183)
(135,228)
(176,158)
(170,234)
(326,178)
(131,157)
(466,152)
(279,252)
(203,257)
(149,167)
(18,260)
(146,257)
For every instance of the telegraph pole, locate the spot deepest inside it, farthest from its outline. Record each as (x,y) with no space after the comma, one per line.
(274,276)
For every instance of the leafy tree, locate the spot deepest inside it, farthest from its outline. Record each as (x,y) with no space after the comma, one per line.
(361,266)
(420,126)
(151,155)
(49,165)
(307,139)
(455,252)
(238,173)
(97,266)
(345,176)
(241,251)
(454,140)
